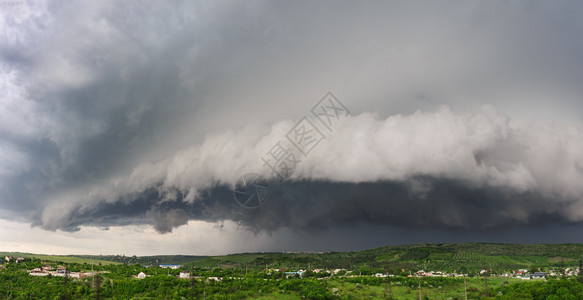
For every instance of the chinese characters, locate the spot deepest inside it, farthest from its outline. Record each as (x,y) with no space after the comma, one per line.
(305,136)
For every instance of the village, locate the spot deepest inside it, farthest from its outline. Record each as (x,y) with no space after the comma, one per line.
(81,276)
(519,274)
(47,270)
(523,274)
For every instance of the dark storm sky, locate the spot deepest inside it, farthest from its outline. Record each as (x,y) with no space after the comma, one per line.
(465,122)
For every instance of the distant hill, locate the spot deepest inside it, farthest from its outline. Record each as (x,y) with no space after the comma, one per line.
(145,260)
(110,259)
(58,258)
(445,257)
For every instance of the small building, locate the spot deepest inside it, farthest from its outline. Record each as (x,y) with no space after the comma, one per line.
(142,275)
(8,258)
(47,267)
(538,275)
(217,279)
(299,273)
(62,271)
(38,272)
(19,259)
(184,274)
(174,267)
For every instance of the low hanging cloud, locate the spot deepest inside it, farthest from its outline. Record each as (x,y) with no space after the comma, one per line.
(428,169)
(148,112)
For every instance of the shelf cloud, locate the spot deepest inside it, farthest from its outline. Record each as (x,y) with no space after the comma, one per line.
(463,116)
(445,169)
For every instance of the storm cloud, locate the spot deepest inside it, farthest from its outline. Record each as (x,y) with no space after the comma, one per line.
(478,170)
(464,116)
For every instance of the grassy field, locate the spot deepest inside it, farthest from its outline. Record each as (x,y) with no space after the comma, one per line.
(453,289)
(474,287)
(58,258)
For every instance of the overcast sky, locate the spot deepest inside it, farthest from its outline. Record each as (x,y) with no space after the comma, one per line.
(125,126)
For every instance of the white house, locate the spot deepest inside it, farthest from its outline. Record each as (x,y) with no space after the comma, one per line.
(142,275)
(184,274)
(38,272)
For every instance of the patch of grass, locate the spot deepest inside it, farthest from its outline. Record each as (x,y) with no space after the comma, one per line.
(558,259)
(58,258)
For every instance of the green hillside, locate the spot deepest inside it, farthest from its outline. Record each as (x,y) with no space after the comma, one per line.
(58,258)
(243,275)
(444,257)
(145,260)
(467,258)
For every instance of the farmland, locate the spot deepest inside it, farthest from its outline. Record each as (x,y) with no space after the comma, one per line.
(482,271)
(59,258)
(446,257)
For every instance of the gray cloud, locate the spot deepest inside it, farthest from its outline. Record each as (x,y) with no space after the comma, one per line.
(165,221)
(446,169)
(146,113)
